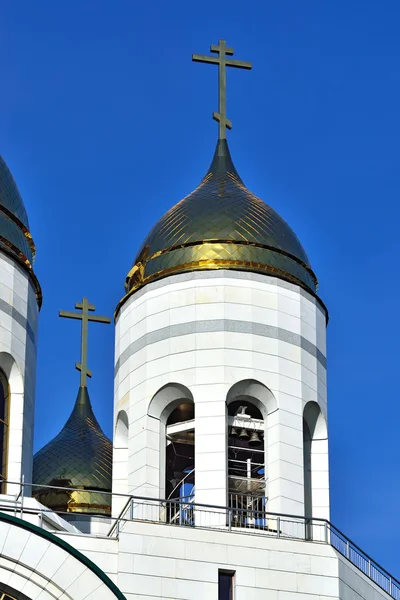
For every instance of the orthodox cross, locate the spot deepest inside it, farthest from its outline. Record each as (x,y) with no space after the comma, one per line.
(222,61)
(84,316)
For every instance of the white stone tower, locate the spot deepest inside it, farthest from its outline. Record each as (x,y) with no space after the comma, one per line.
(20,300)
(220,375)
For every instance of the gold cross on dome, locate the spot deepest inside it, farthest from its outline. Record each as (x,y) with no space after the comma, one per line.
(222,61)
(84,316)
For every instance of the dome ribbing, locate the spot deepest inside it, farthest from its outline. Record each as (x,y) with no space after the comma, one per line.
(15,237)
(80,456)
(14,224)
(221,225)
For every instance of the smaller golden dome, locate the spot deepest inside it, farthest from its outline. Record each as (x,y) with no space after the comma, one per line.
(80,457)
(221,225)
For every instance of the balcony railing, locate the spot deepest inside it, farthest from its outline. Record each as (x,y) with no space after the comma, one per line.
(256,522)
(186,513)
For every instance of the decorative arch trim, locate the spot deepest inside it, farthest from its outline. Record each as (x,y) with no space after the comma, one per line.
(164,401)
(11,370)
(121,430)
(315,420)
(68,548)
(261,396)
(316,474)
(167,399)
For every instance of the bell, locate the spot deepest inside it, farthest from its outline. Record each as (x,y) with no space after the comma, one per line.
(254,439)
(234,432)
(243,434)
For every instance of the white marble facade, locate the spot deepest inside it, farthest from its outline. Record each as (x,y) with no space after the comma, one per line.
(18,344)
(216,336)
(34,565)
(210,337)
(177,563)
(157,562)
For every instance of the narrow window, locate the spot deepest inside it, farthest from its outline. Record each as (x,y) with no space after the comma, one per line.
(246,464)
(307,441)
(4,409)
(180,475)
(225,585)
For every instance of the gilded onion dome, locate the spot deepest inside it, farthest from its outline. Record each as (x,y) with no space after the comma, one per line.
(15,237)
(80,456)
(221,225)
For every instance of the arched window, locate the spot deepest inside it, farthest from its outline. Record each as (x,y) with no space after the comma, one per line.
(315,463)
(246,458)
(307,469)
(180,439)
(250,408)
(173,407)
(4,425)
(120,462)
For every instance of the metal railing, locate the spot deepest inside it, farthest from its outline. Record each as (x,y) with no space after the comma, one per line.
(256,522)
(247,501)
(363,562)
(186,513)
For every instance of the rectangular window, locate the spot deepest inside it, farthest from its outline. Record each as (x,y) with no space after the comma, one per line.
(225,585)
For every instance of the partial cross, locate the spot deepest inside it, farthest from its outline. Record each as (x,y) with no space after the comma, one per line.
(222,61)
(84,316)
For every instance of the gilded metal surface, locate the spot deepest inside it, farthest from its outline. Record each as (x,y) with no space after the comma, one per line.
(22,227)
(84,317)
(14,223)
(222,61)
(221,225)
(4,596)
(14,253)
(15,238)
(10,196)
(79,456)
(10,230)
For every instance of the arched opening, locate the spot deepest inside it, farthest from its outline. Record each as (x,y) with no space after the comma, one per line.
(12,373)
(120,462)
(315,440)
(249,403)
(4,428)
(246,456)
(121,431)
(180,438)
(307,469)
(173,407)
(13,401)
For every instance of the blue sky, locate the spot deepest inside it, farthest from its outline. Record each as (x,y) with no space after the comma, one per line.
(106,123)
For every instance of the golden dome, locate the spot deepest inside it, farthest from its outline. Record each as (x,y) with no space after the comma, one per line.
(15,237)
(79,457)
(221,225)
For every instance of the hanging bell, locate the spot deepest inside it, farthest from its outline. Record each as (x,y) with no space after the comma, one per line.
(254,439)
(234,432)
(243,434)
